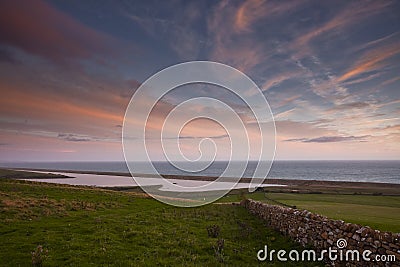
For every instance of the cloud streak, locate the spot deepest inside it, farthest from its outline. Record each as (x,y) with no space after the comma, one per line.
(330,139)
(349,15)
(371,61)
(252,10)
(74,137)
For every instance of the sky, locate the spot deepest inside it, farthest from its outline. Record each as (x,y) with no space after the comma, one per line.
(329,70)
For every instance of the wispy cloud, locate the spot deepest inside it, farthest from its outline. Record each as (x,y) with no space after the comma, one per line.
(330,139)
(289,129)
(252,10)
(371,61)
(276,80)
(225,25)
(390,81)
(284,115)
(350,14)
(177,28)
(74,137)
(202,137)
(351,105)
(187,137)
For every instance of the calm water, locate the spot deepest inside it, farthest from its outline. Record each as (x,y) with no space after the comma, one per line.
(358,171)
(124,181)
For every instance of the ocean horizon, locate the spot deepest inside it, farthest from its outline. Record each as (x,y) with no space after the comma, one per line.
(381,171)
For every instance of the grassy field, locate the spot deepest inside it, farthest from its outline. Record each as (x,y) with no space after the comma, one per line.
(378,212)
(79,226)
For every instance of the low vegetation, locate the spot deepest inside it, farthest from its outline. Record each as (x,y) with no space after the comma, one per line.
(53,225)
(47,224)
(14,174)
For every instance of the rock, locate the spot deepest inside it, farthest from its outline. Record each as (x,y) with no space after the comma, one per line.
(356,237)
(324,235)
(381,251)
(349,234)
(387,237)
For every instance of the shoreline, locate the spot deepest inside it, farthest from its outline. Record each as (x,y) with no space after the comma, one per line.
(290,185)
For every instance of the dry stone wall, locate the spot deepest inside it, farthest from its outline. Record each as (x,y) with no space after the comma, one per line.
(319,232)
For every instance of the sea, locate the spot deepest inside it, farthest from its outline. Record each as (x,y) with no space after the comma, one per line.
(380,171)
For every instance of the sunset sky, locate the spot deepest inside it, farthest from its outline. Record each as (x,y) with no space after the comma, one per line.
(330,71)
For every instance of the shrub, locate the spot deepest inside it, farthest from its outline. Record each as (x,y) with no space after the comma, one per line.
(244,229)
(213,230)
(39,255)
(219,250)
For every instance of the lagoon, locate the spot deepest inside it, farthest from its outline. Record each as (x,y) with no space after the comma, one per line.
(125,181)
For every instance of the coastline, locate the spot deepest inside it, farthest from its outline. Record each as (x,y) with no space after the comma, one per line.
(289,185)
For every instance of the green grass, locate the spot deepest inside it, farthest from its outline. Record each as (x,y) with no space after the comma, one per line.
(6,173)
(378,212)
(91,227)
